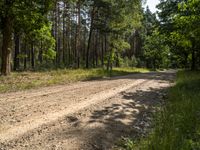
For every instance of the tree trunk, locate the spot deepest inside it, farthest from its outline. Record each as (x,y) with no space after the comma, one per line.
(40,57)
(90,36)
(7,45)
(59,57)
(88,48)
(64,35)
(193,67)
(96,49)
(84,44)
(56,32)
(102,52)
(25,55)
(32,56)
(93,52)
(186,60)
(78,34)
(17,51)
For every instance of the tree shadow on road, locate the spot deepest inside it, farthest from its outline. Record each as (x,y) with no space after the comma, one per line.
(132,118)
(129,116)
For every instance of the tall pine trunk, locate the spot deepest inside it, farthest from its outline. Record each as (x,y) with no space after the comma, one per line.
(64,35)
(32,56)
(40,56)
(78,43)
(90,36)
(102,51)
(7,45)
(25,54)
(17,51)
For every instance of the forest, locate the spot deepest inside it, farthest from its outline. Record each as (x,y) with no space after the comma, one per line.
(56,53)
(104,33)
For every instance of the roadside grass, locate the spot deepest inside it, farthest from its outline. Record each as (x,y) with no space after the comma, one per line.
(27,80)
(177,125)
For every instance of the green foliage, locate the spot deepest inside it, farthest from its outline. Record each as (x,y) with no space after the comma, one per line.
(120,16)
(118,19)
(179,20)
(26,15)
(50,54)
(129,62)
(149,21)
(46,39)
(155,50)
(117,45)
(148,35)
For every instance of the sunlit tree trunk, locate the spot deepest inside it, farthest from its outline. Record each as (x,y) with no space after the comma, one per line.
(89,39)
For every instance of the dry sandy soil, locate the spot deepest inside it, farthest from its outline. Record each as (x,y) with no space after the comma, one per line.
(90,115)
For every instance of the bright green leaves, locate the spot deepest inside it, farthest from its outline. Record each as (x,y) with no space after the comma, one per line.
(180,40)
(180,21)
(155,50)
(119,44)
(44,37)
(30,15)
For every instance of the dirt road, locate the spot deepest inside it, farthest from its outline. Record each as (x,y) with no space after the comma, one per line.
(85,115)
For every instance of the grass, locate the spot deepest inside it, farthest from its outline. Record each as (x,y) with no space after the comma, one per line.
(27,80)
(177,125)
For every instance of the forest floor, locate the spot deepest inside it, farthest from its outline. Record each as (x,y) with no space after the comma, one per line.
(88,115)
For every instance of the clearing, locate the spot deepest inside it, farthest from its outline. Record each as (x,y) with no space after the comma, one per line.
(84,115)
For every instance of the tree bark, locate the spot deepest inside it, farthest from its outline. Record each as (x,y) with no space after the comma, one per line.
(25,55)
(64,35)
(32,56)
(40,56)
(102,52)
(78,44)
(96,49)
(90,36)
(7,45)
(17,51)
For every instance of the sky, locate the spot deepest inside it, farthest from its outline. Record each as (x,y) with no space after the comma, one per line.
(152,5)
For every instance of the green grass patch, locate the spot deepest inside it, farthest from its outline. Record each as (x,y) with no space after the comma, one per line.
(27,80)
(177,125)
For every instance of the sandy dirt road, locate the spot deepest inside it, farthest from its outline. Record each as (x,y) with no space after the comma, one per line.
(86,115)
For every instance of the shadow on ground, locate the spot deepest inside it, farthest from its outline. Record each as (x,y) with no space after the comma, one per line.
(131,119)
(130,116)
